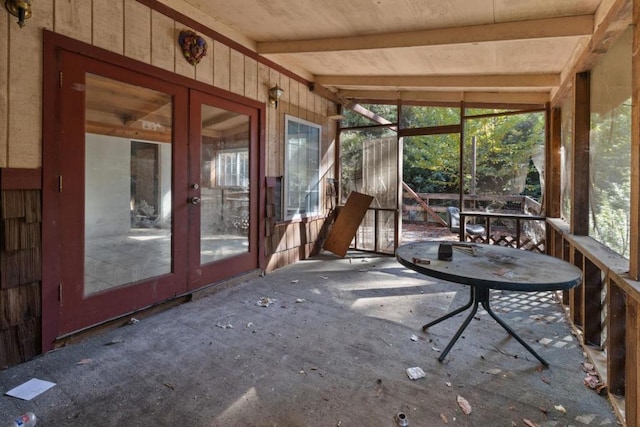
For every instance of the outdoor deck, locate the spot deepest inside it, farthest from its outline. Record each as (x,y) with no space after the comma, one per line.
(331,350)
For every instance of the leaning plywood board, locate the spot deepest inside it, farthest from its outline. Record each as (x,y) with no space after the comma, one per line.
(347,223)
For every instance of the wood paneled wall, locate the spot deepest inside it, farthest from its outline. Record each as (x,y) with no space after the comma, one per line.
(20,275)
(146,31)
(135,30)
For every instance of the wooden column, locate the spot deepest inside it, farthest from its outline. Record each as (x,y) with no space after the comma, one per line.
(634,241)
(592,303)
(553,167)
(580,156)
(632,392)
(616,352)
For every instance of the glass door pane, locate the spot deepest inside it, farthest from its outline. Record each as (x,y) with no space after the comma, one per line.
(128,158)
(224,168)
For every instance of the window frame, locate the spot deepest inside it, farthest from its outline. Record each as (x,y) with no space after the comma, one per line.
(286,214)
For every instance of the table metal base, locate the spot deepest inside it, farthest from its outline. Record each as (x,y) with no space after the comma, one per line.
(478,296)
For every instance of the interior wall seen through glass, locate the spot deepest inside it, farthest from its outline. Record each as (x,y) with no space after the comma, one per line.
(610,147)
(128,197)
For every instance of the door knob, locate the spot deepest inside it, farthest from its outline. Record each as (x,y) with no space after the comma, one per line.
(195,186)
(194,200)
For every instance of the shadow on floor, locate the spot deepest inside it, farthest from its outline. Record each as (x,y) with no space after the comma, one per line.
(331,349)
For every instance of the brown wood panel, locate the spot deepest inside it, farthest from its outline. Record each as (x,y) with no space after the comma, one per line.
(592,297)
(236,72)
(137,31)
(19,304)
(263,83)
(632,364)
(108,15)
(163,44)
(20,179)
(12,202)
(204,69)
(221,65)
(74,19)
(616,349)
(347,223)
(4,87)
(250,78)
(32,206)
(580,156)
(24,133)
(202,28)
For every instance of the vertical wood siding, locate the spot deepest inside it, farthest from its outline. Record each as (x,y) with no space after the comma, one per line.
(132,29)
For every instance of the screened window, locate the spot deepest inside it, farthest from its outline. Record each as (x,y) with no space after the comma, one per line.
(302,167)
(610,147)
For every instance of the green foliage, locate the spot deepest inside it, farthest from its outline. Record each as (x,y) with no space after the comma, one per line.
(610,181)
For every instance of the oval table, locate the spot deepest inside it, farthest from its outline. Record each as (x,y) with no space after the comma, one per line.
(483,268)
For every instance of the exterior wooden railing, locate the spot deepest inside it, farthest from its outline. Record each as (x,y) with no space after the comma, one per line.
(605,311)
(508,230)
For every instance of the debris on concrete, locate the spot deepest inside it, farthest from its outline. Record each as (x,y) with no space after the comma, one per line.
(222,326)
(30,389)
(529,423)
(84,362)
(448,384)
(295,281)
(114,341)
(415,373)
(402,420)
(324,277)
(464,405)
(132,321)
(169,385)
(560,408)
(300,300)
(444,419)
(414,338)
(250,324)
(265,301)
(592,380)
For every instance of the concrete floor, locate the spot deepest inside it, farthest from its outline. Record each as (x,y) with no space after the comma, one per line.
(332,350)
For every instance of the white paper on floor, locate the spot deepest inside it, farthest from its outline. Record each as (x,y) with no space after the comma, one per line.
(30,389)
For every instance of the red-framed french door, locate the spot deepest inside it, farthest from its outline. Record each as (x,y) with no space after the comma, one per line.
(151,189)
(224,159)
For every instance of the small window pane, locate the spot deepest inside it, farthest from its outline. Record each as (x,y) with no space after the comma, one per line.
(302,168)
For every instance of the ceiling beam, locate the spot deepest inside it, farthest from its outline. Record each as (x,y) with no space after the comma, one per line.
(448,96)
(521,30)
(497,80)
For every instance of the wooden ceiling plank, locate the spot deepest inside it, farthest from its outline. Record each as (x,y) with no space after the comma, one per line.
(508,80)
(533,29)
(510,98)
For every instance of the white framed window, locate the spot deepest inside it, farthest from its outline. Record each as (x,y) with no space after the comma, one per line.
(233,168)
(302,168)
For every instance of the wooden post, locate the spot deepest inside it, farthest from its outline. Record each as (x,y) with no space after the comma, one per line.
(553,169)
(580,155)
(592,303)
(632,385)
(616,323)
(634,212)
